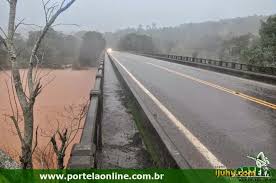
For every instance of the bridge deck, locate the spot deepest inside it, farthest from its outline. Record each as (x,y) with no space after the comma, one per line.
(229,117)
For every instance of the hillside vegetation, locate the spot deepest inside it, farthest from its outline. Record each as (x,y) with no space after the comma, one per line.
(236,39)
(58,50)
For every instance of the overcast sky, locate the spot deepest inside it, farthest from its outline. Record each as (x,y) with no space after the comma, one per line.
(110,15)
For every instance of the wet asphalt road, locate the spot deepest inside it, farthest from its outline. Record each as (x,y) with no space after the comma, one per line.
(230,126)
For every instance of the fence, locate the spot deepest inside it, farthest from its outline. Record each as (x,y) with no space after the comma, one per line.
(83,154)
(218,63)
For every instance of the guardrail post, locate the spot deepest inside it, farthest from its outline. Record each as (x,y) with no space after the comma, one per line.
(249,67)
(233,66)
(273,70)
(82,156)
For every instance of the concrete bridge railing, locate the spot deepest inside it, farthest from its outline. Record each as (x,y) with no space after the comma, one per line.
(264,74)
(83,154)
(232,65)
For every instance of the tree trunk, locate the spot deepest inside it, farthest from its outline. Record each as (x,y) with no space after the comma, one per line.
(26,157)
(27,109)
(27,103)
(60,160)
(26,154)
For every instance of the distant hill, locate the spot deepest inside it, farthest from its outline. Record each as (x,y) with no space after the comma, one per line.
(202,39)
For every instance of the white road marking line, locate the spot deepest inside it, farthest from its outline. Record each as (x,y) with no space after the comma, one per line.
(208,155)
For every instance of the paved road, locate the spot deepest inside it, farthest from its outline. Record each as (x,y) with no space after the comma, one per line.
(224,118)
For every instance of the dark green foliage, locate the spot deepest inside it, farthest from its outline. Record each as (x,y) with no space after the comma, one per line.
(263,51)
(57,49)
(205,38)
(136,42)
(268,33)
(233,48)
(92,46)
(251,49)
(258,55)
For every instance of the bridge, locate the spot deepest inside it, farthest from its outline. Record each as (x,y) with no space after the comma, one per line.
(203,119)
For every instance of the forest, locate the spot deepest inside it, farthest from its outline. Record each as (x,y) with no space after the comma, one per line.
(58,50)
(248,40)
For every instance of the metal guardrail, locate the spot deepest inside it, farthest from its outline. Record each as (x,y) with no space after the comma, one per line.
(83,154)
(218,63)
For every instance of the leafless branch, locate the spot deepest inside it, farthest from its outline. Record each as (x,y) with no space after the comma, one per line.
(80,117)
(61,5)
(60,24)
(51,10)
(48,82)
(29,24)
(14,99)
(12,117)
(1,29)
(25,77)
(36,141)
(45,10)
(49,23)
(3,41)
(44,156)
(37,90)
(15,122)
(18,24)
(9,96)
(68,133)
(36,69)
(39,75)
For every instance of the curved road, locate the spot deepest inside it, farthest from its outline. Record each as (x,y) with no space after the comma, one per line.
(225,116)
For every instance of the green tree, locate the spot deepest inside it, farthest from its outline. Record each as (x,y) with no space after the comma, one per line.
(92,46)
(233,48)
(263,52)
(56,49)
(268,40)
(50,50)
(137,42)
(268,33)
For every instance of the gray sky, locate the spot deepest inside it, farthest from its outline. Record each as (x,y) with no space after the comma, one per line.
(110,15)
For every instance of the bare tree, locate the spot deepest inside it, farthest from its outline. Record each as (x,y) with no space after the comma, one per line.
(64,132)
(27,98)
(44,156)
(67,134)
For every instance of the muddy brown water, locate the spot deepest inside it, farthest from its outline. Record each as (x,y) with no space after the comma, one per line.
(67,87)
